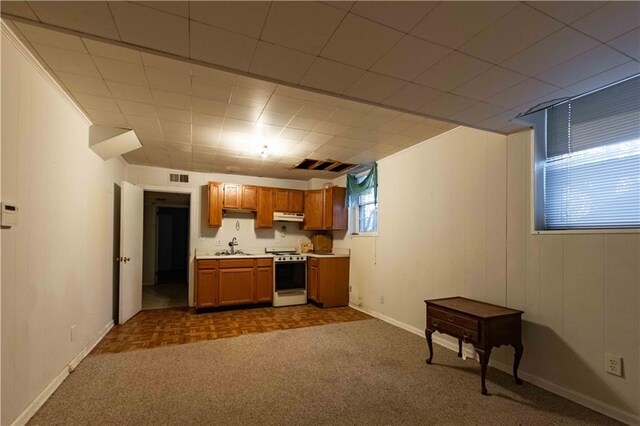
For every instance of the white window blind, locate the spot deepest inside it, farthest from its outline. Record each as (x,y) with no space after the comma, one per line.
(592,165)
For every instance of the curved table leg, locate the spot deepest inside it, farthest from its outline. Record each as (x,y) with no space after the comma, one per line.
(459,348)
(516,362)
(428,334)
(484,361)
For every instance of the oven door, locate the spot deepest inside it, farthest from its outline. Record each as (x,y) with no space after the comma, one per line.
(290,276)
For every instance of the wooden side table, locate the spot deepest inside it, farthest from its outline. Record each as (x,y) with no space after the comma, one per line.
(483,325)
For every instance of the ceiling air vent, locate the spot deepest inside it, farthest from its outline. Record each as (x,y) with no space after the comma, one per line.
(175,177)
(325,165)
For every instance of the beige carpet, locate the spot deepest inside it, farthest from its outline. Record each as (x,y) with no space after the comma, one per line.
(360,373)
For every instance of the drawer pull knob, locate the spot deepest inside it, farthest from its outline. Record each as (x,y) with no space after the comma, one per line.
(435,323)
(450,318)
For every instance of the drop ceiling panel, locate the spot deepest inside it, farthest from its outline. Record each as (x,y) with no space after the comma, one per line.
(305,26)
(143,26)
(363,54)
(90,17)
(566,11)
(360,42)
(512,33)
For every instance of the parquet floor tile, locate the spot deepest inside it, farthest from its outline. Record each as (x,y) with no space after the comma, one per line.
(176,326)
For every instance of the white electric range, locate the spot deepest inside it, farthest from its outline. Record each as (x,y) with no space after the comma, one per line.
(289,276)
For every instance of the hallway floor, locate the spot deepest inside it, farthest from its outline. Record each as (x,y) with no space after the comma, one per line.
(165,295)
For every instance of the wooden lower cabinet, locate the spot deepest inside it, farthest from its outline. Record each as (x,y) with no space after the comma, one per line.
(328,281)
(229,282)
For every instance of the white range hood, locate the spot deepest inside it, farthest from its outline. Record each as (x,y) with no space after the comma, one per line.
(288,217)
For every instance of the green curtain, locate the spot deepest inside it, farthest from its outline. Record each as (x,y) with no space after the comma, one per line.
(356,185)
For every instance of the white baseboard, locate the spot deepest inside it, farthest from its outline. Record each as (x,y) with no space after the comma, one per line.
(570,394)
(35,405)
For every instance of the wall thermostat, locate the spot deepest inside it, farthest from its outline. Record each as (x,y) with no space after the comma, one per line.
(9,216)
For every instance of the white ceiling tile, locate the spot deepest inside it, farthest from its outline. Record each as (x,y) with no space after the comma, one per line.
(255,84)
(605,78)
(137,108)
(283,104)
(221,47)
(478,112)
(447,105)
(210,89)
(207,120)
(330,128)
(331,76)
(208,106)
(315,111)
(244,17)
(203,135)
(243,112)
(401,16)
(410,58)
(18,8)
(280,62)
(566,11)
(175,132)
(489,83)
(293,92)
(50,38)
(344,116)
(166,64)
(305,26)
(628,43)
(213,74)
(81,84)
(499,121)
(514,32)
(360,42)
(169,81)
(611,20)
(248,97)
(100,103)
(303,123)
(452,71)
(151,28)
(452,23)
(294,134)
(108,50)
(107,118)
(180,8)
(136,157)
(91,17)
(583,66)
(374,87)
(520,93)
(171,100)
(413,96)
(122,72)
(172,114)
(550,51)
(67,60)
(275,118)
(145,127)
(234,125)
(315,138)
(128,92)
(396,126)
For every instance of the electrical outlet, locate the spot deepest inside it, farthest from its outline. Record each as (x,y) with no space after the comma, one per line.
(382,300)
(217,242)
(613,364)
(350,289)
(73,332)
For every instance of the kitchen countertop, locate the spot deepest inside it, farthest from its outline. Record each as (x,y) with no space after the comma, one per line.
(212,255)
(326,255)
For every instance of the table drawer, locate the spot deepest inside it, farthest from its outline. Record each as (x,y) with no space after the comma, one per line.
(453,318)
(207,264)
(453,330)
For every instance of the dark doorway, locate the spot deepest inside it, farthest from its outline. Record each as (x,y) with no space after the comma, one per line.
(116,254)
(166,250)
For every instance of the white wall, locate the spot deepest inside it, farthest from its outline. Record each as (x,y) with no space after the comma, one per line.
(248,237)
(454,220)
(581,295)
(57,262)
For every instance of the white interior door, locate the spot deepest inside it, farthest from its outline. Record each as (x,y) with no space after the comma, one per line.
(131,227)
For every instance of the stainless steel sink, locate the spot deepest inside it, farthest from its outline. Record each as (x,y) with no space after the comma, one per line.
(226,253)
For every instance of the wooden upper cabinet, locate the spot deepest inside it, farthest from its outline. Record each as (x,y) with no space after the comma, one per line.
(249,199)
(215,205)
(325,209)
(232,195)
(296,201)
(288,200)
(281,200)
(335,210)
(264,210)
(313,209)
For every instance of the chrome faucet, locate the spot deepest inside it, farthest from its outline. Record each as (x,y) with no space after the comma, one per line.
(232,244)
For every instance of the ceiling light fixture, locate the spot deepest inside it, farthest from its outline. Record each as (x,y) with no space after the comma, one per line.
(263,152)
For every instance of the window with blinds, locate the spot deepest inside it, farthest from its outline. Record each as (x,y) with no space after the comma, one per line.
(591,164)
